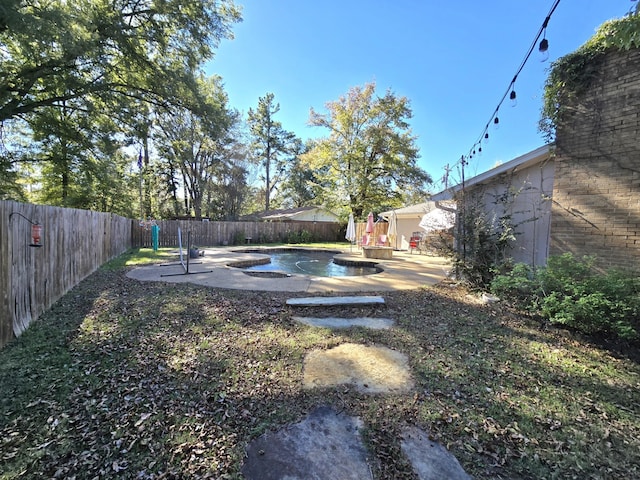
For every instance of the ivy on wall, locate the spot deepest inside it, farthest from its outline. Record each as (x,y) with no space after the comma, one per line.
(571,75)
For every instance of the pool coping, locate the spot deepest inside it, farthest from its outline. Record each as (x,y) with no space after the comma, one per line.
(404,271)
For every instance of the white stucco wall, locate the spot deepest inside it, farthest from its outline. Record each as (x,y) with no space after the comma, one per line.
(529,191)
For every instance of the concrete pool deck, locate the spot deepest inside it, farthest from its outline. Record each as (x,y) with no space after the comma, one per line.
(404,271)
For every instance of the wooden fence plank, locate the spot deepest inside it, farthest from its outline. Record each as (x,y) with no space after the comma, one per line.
(209,234)
(74,244)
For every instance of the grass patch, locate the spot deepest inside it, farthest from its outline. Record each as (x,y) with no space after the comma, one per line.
(142,256)
(123,379)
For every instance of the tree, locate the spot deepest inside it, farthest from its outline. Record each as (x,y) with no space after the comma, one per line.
(369,158)
(272,146)
(199,144)
(302,186)
(57,51)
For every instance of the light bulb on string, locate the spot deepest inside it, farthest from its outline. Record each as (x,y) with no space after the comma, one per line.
(496,123)
(543,48)
(513,99)
(486,137)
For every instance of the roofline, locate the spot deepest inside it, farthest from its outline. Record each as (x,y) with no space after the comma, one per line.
(518,163)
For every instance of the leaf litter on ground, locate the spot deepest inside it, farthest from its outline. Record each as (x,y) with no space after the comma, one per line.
(154,380)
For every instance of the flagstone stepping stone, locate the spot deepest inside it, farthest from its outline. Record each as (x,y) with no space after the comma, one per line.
(430,460)
(325,445)
(369,369)
(336,322)
(336,301)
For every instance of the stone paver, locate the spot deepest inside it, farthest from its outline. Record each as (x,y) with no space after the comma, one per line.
(370,369)
(374,323)
(325,445)
(335,301)
(430,460)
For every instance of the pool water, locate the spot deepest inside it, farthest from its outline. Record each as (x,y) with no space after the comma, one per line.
(319,264)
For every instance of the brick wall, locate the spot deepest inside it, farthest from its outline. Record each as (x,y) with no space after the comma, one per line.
(596,194)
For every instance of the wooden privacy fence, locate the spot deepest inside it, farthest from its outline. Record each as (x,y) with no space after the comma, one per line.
(235,233)
(74,244)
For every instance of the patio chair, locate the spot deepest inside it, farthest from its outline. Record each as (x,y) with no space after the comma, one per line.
(381,241)
(364,241)
(415,242)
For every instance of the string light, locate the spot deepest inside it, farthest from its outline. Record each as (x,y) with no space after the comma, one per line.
(543,48)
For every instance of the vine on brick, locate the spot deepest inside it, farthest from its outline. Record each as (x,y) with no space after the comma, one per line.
(571,75)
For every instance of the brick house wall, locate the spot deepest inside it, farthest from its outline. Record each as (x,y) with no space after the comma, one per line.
(596,193)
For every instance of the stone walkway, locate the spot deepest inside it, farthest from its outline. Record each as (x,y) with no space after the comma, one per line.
(326,444)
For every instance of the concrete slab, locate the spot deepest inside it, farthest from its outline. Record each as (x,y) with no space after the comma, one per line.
(335,301)
(369,369)
(324,446)
(430,460)
(402,272)
(335,322)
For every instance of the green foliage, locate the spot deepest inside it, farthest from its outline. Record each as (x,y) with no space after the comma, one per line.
(303,186)
(571,75)
(369,159)
(87,77)
(570,291)
(272,146)
(239,238)
(517,284)
(56,51)
(302,236)
(198,148)
(484,240)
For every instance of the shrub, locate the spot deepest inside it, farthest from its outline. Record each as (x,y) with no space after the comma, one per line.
(517,285)
(306,236)
(302,236)
(569,291)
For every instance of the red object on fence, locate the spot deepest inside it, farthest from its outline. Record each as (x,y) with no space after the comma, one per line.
(36,234)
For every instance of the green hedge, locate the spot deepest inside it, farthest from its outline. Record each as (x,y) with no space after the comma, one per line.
(570,291)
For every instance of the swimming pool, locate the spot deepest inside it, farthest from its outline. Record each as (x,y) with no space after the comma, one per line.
(309,262)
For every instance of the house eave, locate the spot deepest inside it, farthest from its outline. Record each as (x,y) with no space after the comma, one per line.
(535,156)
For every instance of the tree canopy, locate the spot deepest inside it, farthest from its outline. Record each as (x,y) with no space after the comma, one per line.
(54,51)
(369,159)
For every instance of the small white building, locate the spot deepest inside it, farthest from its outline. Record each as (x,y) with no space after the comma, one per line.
(301,214)
(407,221)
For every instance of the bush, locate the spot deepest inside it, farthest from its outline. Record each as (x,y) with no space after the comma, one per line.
(303,236)
(518,286)
(569,291)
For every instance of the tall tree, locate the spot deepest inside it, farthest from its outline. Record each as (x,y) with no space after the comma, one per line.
(199,143)
(147,49)
(369,158)
(272,146)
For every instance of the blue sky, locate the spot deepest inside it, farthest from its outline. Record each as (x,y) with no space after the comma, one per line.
(454,60)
